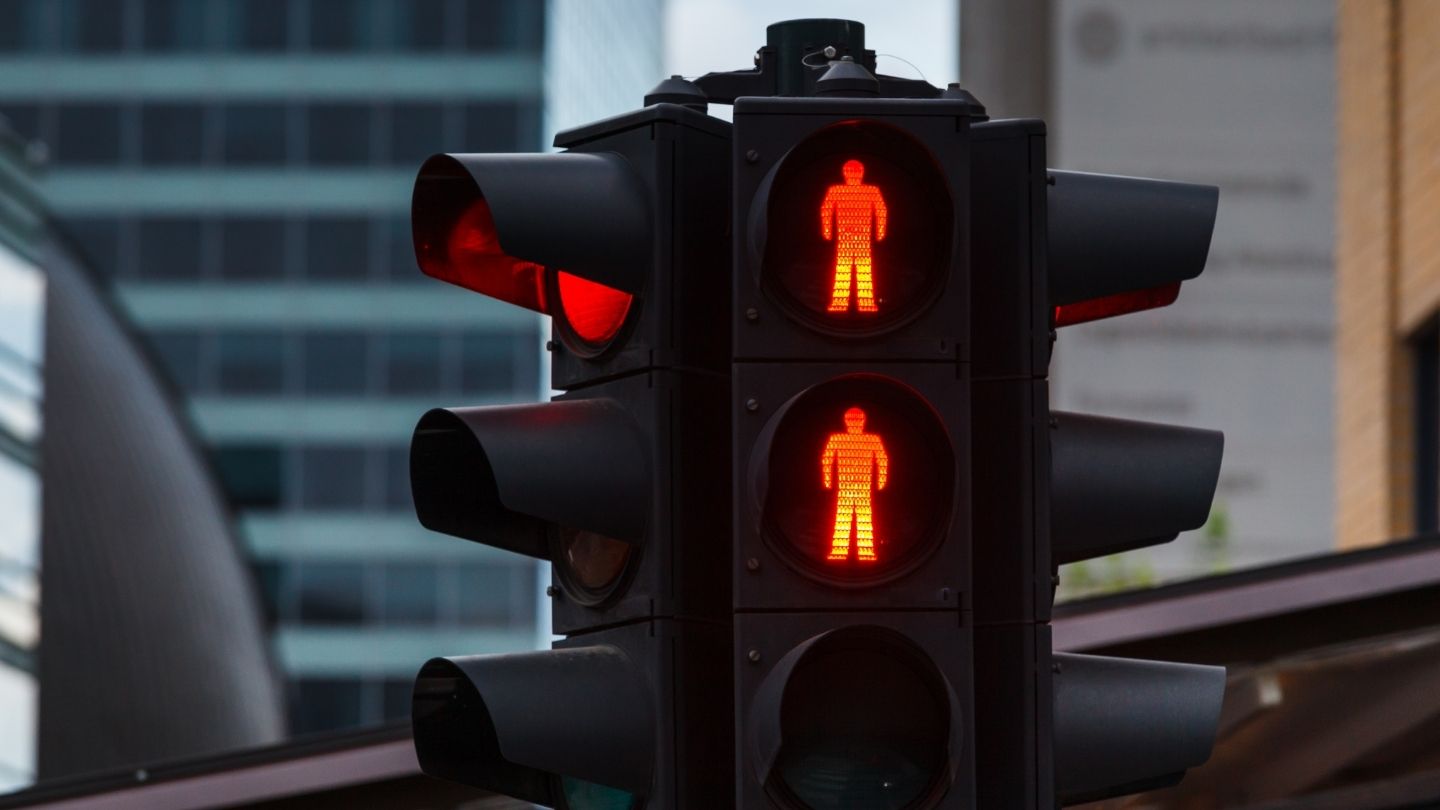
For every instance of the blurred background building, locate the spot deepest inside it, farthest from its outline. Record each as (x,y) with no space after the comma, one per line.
(22,362)
(150,645)
(240,170)
(1242,96)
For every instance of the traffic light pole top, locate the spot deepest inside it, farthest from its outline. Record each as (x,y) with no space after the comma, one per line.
(797,54)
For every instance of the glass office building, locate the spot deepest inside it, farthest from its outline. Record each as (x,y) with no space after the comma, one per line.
(22,335)
(241,170)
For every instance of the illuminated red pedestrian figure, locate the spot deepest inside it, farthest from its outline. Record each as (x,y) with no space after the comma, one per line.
(854,462)
(851,214)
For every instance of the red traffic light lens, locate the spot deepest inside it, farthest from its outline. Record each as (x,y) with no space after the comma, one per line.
(864,722)
(859,480)
(858,228)
(1118,304)
(593,312)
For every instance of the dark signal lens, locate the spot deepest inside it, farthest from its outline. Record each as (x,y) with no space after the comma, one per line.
(865,722)
(592,311)
(590,565)
(858,228)
(859,481)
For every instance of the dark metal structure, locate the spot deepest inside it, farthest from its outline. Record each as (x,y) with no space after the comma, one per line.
(153,645)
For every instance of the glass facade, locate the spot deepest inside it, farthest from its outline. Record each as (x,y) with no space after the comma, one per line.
(22,313)
(240,171)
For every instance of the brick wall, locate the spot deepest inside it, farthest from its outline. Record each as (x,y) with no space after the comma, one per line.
(1387,254)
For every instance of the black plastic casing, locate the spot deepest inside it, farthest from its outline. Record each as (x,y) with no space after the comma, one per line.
(678,568)
(679,317)
(627,707)
(1010,333)
(776,357)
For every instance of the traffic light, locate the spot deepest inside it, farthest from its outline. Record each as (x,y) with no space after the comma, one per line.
(621,483)
(1054,249)
(851,430)
(805,529)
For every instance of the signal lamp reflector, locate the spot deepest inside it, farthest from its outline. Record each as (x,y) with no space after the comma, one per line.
(865,721)
(1119,304)
(590,565)
(461,246)
(857,483)
(857,228)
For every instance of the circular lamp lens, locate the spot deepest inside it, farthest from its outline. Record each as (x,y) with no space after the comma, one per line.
(859,481)
(592,313)
(590,565)
(858,229)
(865,722)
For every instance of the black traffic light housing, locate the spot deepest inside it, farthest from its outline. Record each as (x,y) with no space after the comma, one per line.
(1053,249)
(626,222)
(851,431)
(621,482)
(851,606)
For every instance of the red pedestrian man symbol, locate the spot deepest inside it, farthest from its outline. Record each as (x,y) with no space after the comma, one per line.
(852,214)
(854,464)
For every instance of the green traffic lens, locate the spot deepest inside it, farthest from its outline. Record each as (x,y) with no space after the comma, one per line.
(582,795)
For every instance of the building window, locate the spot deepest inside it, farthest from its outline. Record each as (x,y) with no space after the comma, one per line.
(257,25)
(339,134)
(24,119)
(253,475)
(170,248)
(269,580)
(332,477)
(412,363)
(255,134)
(411,594)
(171,134)
(22,25)
(93,26)
(251,363)
(173,25)
(326,704)
(417,131)
(1426,348)
(504,24)
(181,352)
(491,127)
(398,694)
(397,479)
(88,134)
(337,248)
(98,239)
(252,248)
(419,25)
(341,25)
(336,363)
(496,595)
(488,362)
(401,264)
(331,593)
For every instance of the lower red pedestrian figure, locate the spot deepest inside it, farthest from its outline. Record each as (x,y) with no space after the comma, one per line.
(847,215)
(853,463)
